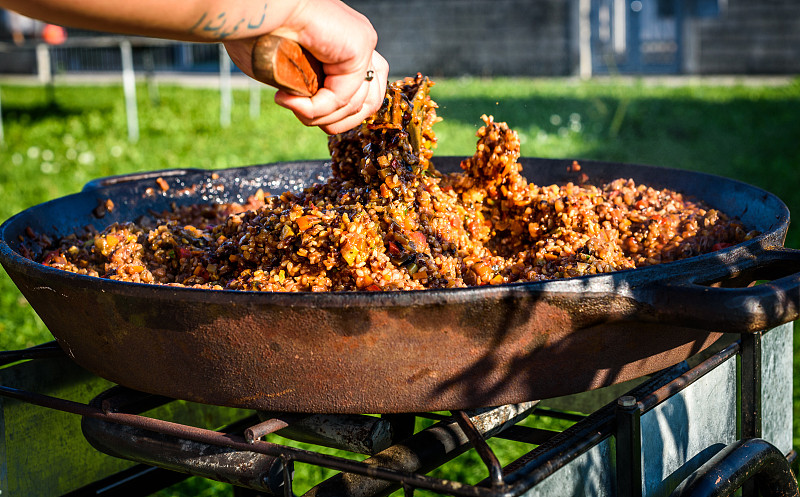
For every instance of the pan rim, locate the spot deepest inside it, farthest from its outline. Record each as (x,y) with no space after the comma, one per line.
(621,281)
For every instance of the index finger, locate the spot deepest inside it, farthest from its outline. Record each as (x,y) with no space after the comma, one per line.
(337,93)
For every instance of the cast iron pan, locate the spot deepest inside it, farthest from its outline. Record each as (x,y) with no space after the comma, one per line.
(379,352)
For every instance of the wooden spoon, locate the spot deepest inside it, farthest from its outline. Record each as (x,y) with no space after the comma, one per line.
(284,64)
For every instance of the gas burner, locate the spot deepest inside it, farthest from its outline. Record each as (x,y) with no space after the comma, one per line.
(673,431)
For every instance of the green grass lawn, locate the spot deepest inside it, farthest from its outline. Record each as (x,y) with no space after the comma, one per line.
(53,147)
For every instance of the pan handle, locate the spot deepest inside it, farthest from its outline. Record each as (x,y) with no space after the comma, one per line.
(126,178)
(684,301)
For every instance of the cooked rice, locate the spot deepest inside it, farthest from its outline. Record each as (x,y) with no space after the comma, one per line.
(386,220)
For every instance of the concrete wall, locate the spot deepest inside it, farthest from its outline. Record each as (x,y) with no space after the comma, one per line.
(540,37)
(749,37)
(476,37)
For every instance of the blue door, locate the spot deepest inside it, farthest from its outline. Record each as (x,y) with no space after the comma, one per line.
(636,36)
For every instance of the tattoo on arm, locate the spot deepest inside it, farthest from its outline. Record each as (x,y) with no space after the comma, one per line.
(259,22)
(223,25)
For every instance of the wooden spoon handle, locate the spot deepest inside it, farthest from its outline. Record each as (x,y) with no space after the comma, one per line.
(284,64)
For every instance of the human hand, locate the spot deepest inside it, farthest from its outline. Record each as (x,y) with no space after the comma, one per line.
(341,38)
(344,41)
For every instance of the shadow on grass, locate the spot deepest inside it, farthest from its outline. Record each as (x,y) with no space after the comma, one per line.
(48,104)
(40,112)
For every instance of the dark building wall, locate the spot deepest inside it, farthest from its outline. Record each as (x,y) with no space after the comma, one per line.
(539,37)
(532,38)
(750,37)
(475,37)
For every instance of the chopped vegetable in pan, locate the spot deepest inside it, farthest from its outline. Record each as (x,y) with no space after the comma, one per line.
(387,220)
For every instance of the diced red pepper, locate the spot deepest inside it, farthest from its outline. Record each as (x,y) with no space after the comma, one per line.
(184,253)
(420,240)
(374,288)
(303,222)
(394,249)
(51,256)
(720,246)
(353,248)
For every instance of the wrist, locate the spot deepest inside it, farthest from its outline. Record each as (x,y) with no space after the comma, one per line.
(221,21)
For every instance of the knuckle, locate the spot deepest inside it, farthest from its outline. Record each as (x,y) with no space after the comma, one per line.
(368,30)
(371,37)
(353,106)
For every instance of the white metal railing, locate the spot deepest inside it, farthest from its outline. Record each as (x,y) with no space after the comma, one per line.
(125,44)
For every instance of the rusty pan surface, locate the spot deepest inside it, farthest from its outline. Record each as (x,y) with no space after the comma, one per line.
(380,352)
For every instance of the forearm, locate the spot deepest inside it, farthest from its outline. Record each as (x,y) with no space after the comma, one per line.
(188,20)
(338,36)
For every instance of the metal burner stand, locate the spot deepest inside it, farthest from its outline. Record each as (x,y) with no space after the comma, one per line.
(693,429)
